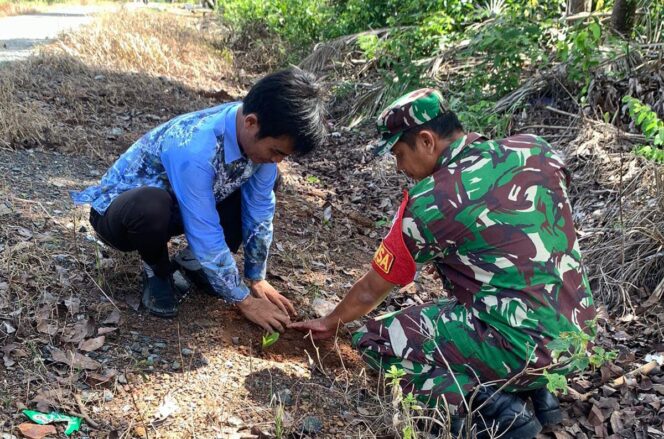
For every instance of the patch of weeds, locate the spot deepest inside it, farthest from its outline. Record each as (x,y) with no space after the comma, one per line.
(651,126)
(313,291)
(571,349)
(312,179)
(343,89)
(481,118)
(408,404)
(580,50)
(6,399)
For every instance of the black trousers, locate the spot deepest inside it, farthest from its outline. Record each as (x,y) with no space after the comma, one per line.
(146,218)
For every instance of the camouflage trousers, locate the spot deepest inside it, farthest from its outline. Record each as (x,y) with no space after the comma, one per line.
(445,351)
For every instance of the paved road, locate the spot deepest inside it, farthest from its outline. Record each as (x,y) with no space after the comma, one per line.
(21,33)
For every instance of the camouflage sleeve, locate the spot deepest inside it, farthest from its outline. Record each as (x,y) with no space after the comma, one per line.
(420,212)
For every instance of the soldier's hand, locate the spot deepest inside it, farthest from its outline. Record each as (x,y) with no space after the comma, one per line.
(264,313)
(263,290)
(320,328)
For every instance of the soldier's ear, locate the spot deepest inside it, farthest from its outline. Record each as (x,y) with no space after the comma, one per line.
(428,140)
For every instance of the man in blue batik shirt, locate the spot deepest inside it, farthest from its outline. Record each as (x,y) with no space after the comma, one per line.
(210,175)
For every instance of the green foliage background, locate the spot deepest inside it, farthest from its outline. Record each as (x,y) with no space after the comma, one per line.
(501,43)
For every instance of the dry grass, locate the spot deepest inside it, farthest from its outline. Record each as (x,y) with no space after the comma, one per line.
(98,90)
(11,8)
(158,43)
(22,123)
(619,200)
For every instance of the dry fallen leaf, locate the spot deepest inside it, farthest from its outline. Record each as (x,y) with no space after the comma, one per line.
(8,361)
(80,331)
(50,399)
(97,379)
(74,359)
(92,344)
(45,327)
(133,301)
(8,328)
(112,319)
(73,305)
(105,330)
(34,431)
(25,233)
(596,417)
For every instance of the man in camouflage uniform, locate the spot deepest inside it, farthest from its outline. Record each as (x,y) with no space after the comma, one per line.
(494,219)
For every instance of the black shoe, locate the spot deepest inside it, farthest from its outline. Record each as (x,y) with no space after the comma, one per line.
(181,285)
(545,405)
(457,427)
(504,415)
(159,294)
(188,265)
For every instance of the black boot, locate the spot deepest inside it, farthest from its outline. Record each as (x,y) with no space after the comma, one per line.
(159,294)
(545,405)
(458,427)
(193,271)
(503,414)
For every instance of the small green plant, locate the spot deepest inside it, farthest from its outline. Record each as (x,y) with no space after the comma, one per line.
(269,339)
(571,349)
(509,47)
(651,126)
(369,44)
(408,404)
(380,223)
(312,179)
(279,421)
(556,382)
(394,374)
(601,356)
(480,117)
(580,49)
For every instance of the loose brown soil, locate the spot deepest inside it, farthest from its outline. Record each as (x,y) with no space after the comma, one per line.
(204,373)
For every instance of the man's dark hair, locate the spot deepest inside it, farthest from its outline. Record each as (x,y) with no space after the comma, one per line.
(444,125)
(289,103)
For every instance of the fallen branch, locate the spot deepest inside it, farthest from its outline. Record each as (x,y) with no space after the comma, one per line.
(580,396)
(642,370)
(84,413)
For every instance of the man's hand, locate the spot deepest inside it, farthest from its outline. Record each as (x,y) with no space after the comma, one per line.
(263,313)
(320,328)
(263,290)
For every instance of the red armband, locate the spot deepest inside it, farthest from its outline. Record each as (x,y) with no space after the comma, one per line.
(393,261)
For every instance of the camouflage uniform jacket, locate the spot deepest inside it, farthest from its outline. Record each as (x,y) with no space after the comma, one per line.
(495,219)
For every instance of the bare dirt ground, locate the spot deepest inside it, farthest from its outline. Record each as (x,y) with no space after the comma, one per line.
(74,339)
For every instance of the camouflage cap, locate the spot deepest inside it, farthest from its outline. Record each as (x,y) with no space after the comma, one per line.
(410,110)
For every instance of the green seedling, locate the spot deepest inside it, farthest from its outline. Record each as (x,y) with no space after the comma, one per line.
(270,339)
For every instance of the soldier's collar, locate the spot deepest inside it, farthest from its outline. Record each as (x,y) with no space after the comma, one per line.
(451,152)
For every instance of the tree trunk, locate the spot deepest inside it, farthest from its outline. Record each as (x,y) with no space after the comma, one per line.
(578,6)
(622,18)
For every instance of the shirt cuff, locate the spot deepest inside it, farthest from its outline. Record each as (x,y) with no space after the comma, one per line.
(238,294)
(254,271)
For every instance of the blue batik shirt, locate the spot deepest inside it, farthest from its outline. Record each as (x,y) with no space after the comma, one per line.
(197,158)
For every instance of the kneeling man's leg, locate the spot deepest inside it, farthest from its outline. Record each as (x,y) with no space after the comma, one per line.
(143,220)
(443,348)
